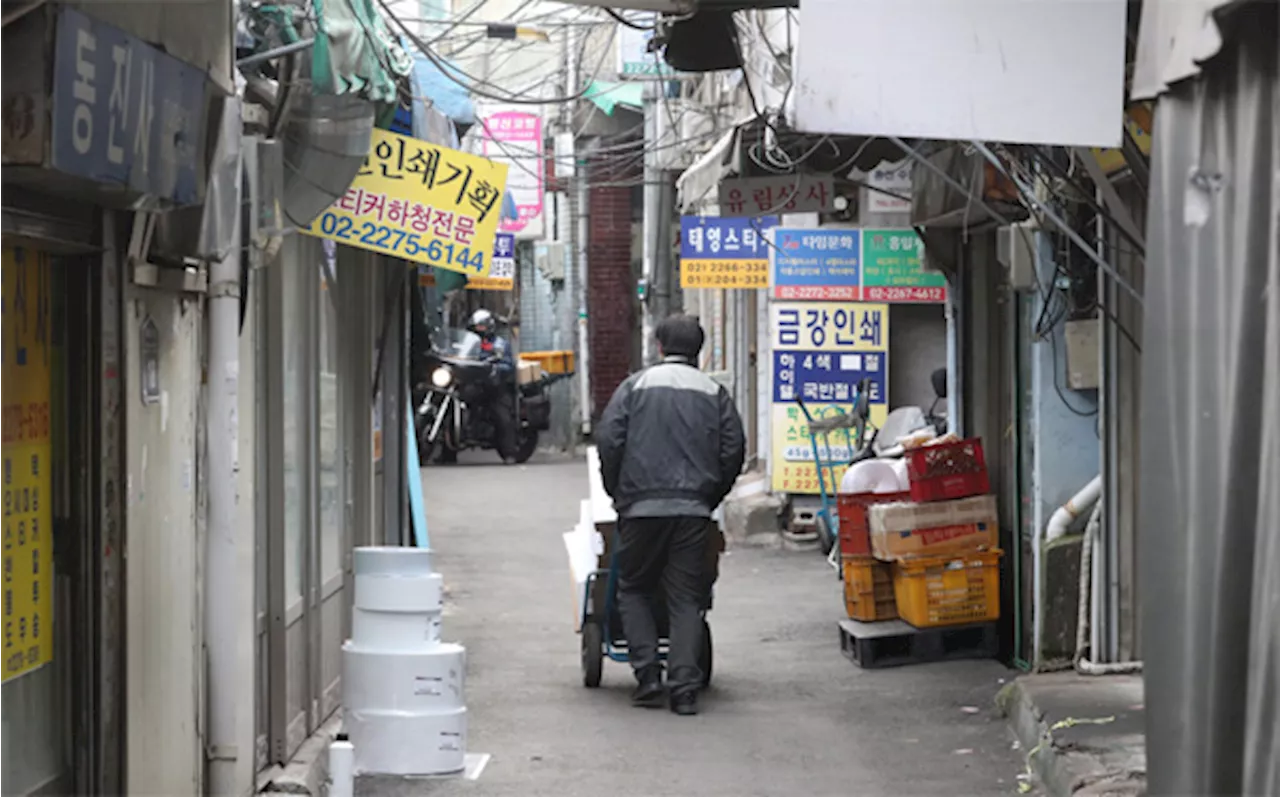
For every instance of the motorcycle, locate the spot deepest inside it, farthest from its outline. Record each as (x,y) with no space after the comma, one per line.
(454,412)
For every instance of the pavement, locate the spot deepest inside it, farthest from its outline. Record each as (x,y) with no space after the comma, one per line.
(1084,735)
(787,713)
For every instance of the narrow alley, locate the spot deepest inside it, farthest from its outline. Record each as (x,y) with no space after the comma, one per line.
(786,715)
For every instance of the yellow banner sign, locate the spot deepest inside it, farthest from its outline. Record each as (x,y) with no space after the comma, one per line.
(28,515)
(724,273)
(428,204)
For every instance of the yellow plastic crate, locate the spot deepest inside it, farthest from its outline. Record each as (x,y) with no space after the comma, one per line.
(948,590)
(868,589)
(552,362)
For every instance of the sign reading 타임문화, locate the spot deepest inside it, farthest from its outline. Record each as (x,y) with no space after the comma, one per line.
(432,205)
(501,275)
(892,271)
(720,252)
(126,113)
(819,265)
(821,350)
(28,504)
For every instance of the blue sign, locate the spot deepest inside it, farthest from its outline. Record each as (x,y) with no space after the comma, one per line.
(822,265)
(716,238)
(126,113)
(826,376)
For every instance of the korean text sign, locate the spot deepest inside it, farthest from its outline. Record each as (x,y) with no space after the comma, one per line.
(501,276)
(28,515)
(724,252)
(819,265)
(420,202)
(515,138)
(821,350)
(127,113)
(892,271)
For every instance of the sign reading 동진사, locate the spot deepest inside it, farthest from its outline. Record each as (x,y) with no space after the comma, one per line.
(428,204)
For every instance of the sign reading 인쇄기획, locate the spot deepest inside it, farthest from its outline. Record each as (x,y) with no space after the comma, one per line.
(501,275)
(818,264)
(892,270)
(27,476)
(720,252)
(432,205)
(821,350)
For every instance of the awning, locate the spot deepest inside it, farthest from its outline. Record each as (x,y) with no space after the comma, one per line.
(698,184)
(444,91)
(354,54)
(607,94)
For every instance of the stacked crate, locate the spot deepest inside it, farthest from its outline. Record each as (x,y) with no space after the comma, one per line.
(941,544)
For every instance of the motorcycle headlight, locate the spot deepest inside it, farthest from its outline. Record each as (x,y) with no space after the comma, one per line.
(441,377)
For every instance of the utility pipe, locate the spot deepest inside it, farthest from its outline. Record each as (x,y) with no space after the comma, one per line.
(267,55)
(1082,663)
(1066,514)
(226,581)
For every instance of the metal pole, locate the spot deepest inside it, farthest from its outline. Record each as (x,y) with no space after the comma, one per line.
(227,579)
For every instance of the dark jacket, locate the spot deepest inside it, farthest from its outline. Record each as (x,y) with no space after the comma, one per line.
(670,442)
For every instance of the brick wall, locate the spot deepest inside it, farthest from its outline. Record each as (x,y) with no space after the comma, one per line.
(611,311)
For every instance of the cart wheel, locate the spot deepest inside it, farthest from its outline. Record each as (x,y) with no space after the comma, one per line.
(592,654)
(826,537)
(705,658)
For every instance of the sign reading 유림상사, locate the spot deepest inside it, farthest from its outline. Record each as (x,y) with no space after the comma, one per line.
(818,265)
(420,202)
(892,271)
(28,505)
(757,196)
(820,352)
(724,252)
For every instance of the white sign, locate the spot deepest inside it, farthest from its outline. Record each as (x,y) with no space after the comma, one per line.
(634,58)
(769,196)
(514,137)
(1028,72)
(894,177)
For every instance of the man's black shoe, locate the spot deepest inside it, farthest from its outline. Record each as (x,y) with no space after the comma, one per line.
(650,692)
(685,703)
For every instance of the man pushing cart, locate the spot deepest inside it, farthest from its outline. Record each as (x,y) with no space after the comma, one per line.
(671,446)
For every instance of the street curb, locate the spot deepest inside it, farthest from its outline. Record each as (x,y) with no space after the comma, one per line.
(1030,729)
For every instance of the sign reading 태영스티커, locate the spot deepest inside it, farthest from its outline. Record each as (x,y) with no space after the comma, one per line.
(892,270)
(432,205)
(28,508)
(501,276)
(816,264)
(821,350)
(720,252)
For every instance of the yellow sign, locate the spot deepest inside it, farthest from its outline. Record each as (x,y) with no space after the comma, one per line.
(28,515)
(724,273)
(420,202)
(821,351)
(1137,120)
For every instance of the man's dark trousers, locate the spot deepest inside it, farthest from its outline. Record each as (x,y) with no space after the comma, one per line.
(668,553)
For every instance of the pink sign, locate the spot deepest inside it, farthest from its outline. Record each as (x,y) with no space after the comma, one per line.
(515,138)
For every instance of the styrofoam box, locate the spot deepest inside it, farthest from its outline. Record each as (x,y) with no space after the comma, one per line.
(399,593)
(391,560)
(415,682)
(389,743)
(394,630)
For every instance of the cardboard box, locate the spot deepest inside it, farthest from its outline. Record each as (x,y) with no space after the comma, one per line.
(528,371)
(906,529)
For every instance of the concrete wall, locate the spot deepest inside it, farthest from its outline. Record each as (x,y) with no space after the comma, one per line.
(165,523)
(917,346)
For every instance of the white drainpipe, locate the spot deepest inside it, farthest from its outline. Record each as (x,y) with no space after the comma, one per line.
(1080,503)
(225,580)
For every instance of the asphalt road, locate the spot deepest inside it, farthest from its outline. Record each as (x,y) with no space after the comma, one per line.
(788,715)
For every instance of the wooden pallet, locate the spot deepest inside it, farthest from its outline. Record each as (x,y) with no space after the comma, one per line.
(892,643)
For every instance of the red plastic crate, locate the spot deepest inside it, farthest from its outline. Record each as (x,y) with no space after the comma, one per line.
(855,539)
(951,470)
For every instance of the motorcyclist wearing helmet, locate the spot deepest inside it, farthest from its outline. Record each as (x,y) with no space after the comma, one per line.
(496,351)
